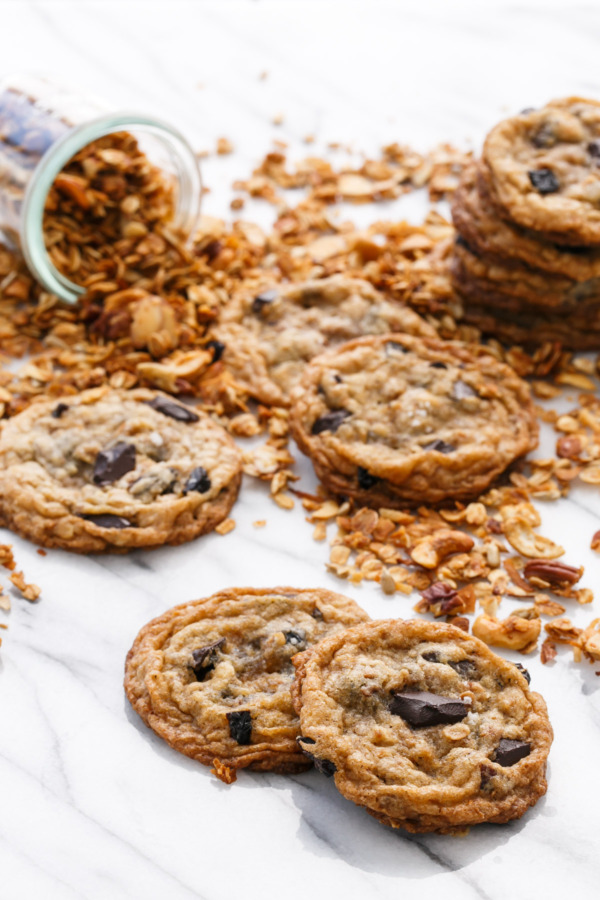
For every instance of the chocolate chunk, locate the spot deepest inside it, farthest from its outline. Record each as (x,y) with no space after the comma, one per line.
(112,464)
(460,242)
(394,347)
(465,668)
(218,349)
(509,752)
(174,410)
(337,378)
(544,136)
(544,181)
(316,613)
(107,520)
(420,708)
(330,421)
(296,638)
(59,410)
(431,656)
(486,775)
(593,148)
(462,391)
(240,726)
(365,479)
(324,766)
(198,481)
(523,672)
(263,300)
(440,446)
(204,659)
(438,365)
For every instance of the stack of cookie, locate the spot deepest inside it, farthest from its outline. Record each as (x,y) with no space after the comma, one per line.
(416,721)
(527,258)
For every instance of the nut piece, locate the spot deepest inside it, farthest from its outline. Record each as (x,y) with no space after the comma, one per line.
(514,632)
(590,640)
(551,574)
(519,521)
(430,551)
(151,317)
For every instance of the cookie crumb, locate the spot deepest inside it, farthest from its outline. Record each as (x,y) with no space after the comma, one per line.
(30,591)
(226,526)
(41,551)
(260,523)
(224,773)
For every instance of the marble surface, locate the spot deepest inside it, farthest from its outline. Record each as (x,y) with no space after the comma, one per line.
(93,804)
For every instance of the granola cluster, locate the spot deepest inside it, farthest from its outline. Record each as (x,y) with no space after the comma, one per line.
(145,320)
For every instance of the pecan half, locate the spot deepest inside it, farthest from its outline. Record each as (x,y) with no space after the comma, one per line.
(546,573)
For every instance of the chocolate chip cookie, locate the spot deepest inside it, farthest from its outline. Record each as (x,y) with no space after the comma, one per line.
(396,420)
(111,470)
(213,677)
(542,171)
(269,338)
(423,725)
(488,235)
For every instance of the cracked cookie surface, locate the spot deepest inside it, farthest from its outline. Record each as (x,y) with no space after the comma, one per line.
(397,420)
(270,337)
(111,470)
(542,170)
(423,725)
(212,677)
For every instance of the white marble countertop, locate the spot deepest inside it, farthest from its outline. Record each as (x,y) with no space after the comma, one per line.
(93,804)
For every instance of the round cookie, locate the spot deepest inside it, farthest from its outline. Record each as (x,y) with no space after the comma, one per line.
(213,677)
(423,725)
(395,420)
(487,234)
(111,470)
(541,170)
(270,337)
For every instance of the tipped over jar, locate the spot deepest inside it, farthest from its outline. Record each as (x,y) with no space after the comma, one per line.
(76,175)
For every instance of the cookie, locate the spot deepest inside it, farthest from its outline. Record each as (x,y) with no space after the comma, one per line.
(396,420)
(270,337)
(111,470)
(541,170)
(423,725)
(490,236)
(487,277)
(213,677)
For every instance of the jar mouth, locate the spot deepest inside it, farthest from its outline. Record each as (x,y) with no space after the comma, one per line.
(187,208)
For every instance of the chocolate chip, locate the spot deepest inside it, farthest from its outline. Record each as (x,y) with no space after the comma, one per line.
(465,668)
(593,148)
(460,242)
(421,708)
(431,656)
(59,410)
(365,479)
(107,520)
(544,181)
(330,421)
(509,752)
(204,659)
(438,365)
(544,136)
(218,349)
(240,726)
(462,391)
(440,446)
(316,613)
(395,347)
(198,481)
(486,775)
(263,300)
(168,407)
(337,378)
(295,638)
(523,672)
(112,464)
(324,766)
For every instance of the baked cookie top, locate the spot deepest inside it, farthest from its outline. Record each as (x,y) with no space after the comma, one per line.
(213,677)
(423,420)
(115,469)
(270,337)
(422,724)
(542,169)
(479,224)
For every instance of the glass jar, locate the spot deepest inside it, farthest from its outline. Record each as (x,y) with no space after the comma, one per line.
(42,127)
